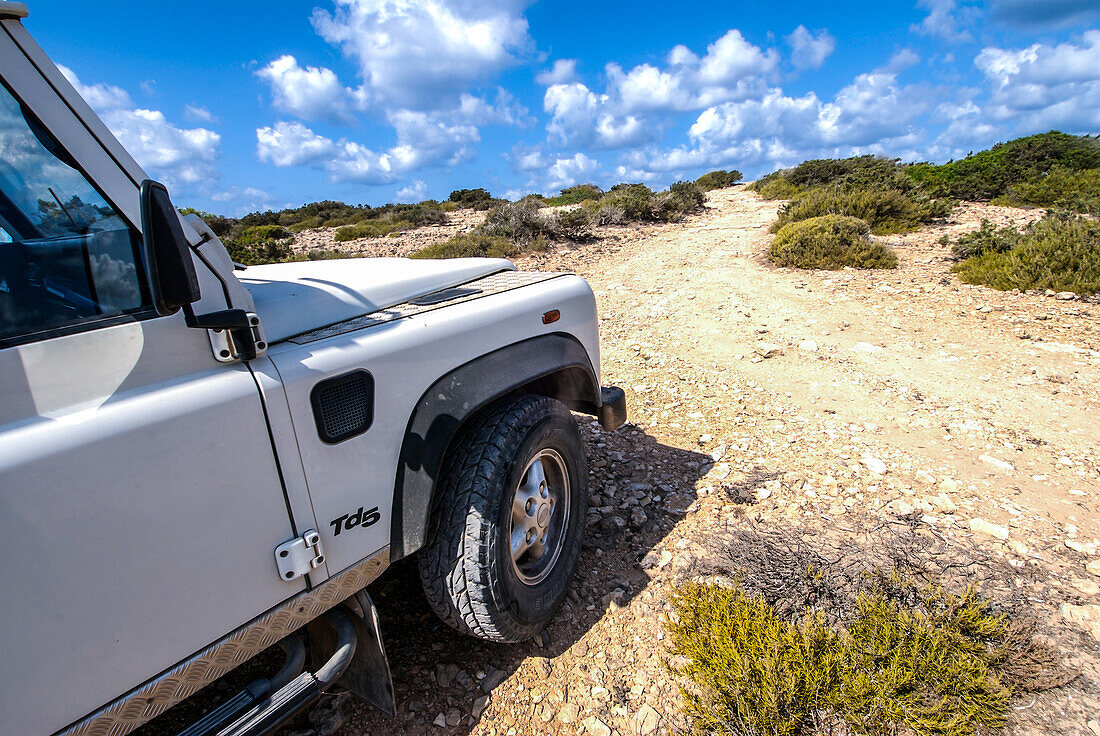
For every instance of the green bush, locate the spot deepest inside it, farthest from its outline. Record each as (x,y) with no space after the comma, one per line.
(474,245)
(260,233)
(719,179)
(928,665)
(682,198)
(575,195)
(573,224)
(986,239)
(775,186)
(829,242)
(368,229)
(476,199)
(520,222)
(885,210)
(1062,188)
(992,173)
(1060,252)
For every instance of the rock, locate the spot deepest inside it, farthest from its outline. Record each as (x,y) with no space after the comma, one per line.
(1087,617)
(1076,492)
(1066,296)
(873,464)
(440,720)
(542,666)
(768,349)
(988,528)
(997,463)
(949,485)
(944,504)
(479,706)
(445,674)
(545,711)
(651,560)
(1087,587)
(809,346)
(569,713)
(595,727)
(638,518)
(925,477)
(328,716)
(614,599)
(1093,568)
(493,677)
(454,717)
(900,507)
(647,721)
(1019,548)
(1094,727)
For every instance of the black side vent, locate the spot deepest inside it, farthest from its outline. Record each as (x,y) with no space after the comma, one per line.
(446,295)
(343,406)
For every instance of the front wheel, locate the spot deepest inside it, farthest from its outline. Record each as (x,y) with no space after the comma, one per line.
(512,507)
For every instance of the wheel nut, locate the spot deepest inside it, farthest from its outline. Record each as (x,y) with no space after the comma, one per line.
(529,506)
(530,536)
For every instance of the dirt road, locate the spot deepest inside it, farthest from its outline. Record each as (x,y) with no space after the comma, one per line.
(830,403)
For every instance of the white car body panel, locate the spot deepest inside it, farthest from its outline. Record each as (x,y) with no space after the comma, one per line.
(292,298)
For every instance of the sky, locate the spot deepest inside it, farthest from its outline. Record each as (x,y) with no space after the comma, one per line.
(244,106)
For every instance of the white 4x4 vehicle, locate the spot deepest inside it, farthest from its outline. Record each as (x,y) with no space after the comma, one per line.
(198,460)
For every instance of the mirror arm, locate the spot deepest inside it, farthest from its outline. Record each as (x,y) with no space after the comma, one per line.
(238,322)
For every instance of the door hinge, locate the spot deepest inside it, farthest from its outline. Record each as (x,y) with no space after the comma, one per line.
(243,341)
(299,556)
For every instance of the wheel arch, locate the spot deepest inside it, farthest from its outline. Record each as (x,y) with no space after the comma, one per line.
(554,365)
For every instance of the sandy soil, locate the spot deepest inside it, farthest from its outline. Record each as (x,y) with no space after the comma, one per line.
(832,404)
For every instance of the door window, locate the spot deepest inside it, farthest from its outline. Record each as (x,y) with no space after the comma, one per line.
(67,258)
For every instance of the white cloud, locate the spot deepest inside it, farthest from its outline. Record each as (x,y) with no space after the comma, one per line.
(177,156)
(945,20)
(422,55)
(423,139)
(197,114)
(807,50)
(310,93)
(504,110)
(565,172)
(562,72)
(414,192)
(581,118)
(1042,87)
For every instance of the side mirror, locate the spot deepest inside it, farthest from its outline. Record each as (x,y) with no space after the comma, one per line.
(171,270)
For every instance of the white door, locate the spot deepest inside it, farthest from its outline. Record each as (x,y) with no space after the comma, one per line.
(140,500)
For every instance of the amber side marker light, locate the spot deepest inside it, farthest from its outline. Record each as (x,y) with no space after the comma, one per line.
(551,317)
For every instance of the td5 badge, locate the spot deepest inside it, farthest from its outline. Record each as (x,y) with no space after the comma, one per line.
(350,521)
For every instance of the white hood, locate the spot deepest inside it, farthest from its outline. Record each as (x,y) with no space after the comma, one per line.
(292,298)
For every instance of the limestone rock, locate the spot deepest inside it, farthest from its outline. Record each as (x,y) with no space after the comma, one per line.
(988,528)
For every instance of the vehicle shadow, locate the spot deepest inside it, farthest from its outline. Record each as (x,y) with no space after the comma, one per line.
(638,488)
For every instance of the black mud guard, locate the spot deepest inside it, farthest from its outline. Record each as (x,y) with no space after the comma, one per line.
(554,365)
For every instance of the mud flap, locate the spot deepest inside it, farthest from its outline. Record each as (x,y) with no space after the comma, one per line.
(368,675)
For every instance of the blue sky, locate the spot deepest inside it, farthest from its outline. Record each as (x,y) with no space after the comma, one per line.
(254,105)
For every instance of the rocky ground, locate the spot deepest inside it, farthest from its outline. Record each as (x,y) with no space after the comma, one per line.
(398,244)
(838,408)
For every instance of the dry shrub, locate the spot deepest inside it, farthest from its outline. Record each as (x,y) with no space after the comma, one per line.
(829,242)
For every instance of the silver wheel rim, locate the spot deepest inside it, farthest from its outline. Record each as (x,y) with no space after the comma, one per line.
(540,515)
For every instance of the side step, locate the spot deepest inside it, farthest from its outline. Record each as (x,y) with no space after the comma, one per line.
(257,711)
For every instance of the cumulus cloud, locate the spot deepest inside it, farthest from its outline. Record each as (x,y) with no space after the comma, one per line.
(1043,87)
(562,72)
(416,191)
(945,20)
(565,172)
(807,50)
(579,117)
(420,55)
(176,156)
(310,93)
(197,114)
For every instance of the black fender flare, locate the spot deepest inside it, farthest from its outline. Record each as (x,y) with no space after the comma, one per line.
(554,365)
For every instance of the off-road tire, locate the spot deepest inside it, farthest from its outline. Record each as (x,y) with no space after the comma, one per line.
(466,567)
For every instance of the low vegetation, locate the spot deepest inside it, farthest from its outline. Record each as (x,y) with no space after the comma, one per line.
(528,225)
(829,242)
(719,179)
(929,663)
(1059,252)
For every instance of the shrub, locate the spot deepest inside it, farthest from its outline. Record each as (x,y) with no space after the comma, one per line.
(829,242)
(472,245)
(885,210)
(520,222)
(986,239)
(1062,188)
(477,199)
(635,201)
(992,173)
(719,179)
(1060,252)
(682,198)
(573,224)
(575,195)
(260,233)
(929,663)
(368,229)
(775,186)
